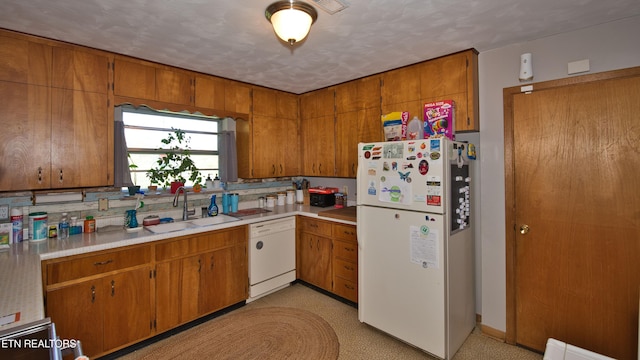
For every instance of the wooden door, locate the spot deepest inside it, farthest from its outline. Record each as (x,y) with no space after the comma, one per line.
(346,144)
(81,139)
(134,80)
(127,310)
(25,137)
(575,186)
(209,92)
(177,289)
(315,260)
(174,87)
(223,281)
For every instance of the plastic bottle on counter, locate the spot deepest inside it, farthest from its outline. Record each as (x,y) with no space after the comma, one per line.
(213,207)
(89,224)
(16,225)
(414,129)
(209,183)
(216,182)
(63,227)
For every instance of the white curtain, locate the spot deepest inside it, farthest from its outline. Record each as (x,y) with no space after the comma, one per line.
(122,175)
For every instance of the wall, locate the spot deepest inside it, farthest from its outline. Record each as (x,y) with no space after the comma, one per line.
(608,46)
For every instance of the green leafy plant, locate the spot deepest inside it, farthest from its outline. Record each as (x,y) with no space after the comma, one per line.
(176,162)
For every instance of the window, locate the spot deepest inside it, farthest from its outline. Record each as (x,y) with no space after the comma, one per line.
(144,128)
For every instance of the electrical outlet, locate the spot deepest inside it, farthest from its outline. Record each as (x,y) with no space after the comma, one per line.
(345,190)
(4,212)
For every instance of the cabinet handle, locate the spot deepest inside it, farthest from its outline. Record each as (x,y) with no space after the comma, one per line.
(349,287)
(60,176)
(273,169)
(348,249)
(93,293)
(353,168)
(280,168)
(103,262)
(212,263)
(313,168)
(199,265)
(310,243)
(113,288)
(350,268)
(320,169)
(318,244)
(39,175)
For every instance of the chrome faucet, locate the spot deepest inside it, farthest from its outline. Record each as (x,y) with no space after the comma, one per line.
(185,211)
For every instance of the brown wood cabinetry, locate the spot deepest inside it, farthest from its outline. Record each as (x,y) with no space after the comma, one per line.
(115,298)
(453,77)
(274,134)
(317,125)
(209,92)
(103,300)
(328,256)
(58,129)
(142,80)
(357,120)
(197,275)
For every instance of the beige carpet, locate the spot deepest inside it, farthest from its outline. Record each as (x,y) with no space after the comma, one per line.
(261,333)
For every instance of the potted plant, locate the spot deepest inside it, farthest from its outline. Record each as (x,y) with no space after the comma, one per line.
(176,163)
(134,188)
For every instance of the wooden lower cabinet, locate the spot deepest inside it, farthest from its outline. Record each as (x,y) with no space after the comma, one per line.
(328,256)
(104,313)
(112,299)
(199,274)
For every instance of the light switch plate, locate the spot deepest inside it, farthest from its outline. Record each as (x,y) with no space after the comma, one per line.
(103,204)
(4,212)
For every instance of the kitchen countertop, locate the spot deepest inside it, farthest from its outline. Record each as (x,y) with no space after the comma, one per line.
(20,271)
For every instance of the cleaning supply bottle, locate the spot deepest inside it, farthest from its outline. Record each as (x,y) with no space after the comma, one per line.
(208,183)
(414,129)
(213,208)
(216,182)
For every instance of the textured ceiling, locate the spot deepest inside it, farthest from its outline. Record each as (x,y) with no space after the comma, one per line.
(232,38)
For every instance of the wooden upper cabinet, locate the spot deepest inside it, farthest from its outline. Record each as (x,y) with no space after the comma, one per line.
(287,106)
(453,77)
(79,70)
(133,79)
(237,97)
(264,101)
(174,86)
(25,61)
(209,92)
(317,103)
(358,94)
(400,86)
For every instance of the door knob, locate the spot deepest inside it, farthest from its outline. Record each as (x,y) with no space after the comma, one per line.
(524,229)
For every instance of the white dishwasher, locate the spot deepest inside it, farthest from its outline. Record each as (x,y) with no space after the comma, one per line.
(272,256)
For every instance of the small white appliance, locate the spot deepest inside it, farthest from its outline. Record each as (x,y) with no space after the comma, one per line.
(415,255)
(272,256)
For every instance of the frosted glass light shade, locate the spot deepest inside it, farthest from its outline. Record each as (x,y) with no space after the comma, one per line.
(291,20)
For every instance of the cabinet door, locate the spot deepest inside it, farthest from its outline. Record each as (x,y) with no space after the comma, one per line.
(135,80)
(358,94)
(290,147)
(77,311)
(400,86)
(174,87)
(267,143)
(177,291)
(24,62)
(81,140)
(209,92)
(237,97)
(79,70)
(25,137)
(224,278)
(346,144)
(315,253)
(128,311)
(318,146)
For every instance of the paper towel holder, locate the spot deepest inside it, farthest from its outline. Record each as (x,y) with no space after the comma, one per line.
(526,68)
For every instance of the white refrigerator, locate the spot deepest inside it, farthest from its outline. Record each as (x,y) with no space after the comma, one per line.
(415,238)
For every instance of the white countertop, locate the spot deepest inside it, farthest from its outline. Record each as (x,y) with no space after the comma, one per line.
(21,276)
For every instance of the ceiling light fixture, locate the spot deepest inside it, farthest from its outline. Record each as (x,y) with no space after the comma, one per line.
(291,19)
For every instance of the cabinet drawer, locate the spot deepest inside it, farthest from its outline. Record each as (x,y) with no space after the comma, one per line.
(172,249)
(218,239)
(316,227)
(344,232)
(346,250)
(346,289)
(346,270)
(99,263)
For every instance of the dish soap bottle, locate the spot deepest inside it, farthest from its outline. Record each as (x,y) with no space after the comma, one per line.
(213,208)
